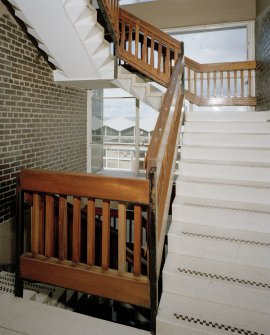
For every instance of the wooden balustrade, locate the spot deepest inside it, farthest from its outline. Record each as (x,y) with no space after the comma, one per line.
(146,48)
(63,246)
(227,84)
(110,12)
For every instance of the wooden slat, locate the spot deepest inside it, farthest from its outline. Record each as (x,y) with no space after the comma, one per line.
(91,280)
(208,84)
(130,38)
(195,83)
(137,239)
(215,84)
(123,35)
(144,48)
(188,79)
(122,235)
(86,185)
(91,224)
(201,79)
(242,84)
(167,62)
(229,83)
(76,230)
(249,83)
(152,51)
(159,57)
(35,226)
(105,235)
(221,84)
(137,40)
(41,249)
(235,83)
(62,228)
(49,226)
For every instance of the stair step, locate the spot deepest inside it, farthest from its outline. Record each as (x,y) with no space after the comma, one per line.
(228,172)
(259,196)
(227,127)
(220,217)
(233,140)
(184,315)
(221,244)
(228,116)
(239,155)
(225,283)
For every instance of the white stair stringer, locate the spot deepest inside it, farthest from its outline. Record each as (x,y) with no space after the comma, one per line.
(216,278)
(139,88)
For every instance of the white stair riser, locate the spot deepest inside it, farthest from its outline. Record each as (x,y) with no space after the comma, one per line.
(227,127)
(224,171)
(228,293)
(238,193)
(227,218)
(234,140)
(221,250)
(228,116)
(242,155)
(167,328)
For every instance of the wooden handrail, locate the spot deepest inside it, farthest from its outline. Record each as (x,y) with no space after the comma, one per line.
(146,48)
(227,84)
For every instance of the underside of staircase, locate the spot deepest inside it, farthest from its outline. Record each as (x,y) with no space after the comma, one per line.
(216,276)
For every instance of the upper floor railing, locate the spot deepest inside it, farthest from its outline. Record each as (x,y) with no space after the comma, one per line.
(227,84)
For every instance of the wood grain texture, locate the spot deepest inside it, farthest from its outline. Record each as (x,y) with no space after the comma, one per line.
(76,230)
(49,226)
(35,224)
(62,252)
(86,185)
(91,231)
(137,239)
(106,223)
(91,280)
(122,235)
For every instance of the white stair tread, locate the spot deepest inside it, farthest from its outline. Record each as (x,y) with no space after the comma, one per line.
(232,173)
(227,283)
(28,317)
(228,116)
(183,315)
(227,245)
(221,234)
(257,195)
(227,127)
(227,217)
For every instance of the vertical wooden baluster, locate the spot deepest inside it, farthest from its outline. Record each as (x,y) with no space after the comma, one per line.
(123,34)
(76,230)
(41,248)
(49,224)
(229,83)
(235,83)
(221,84)
(35,226)
(167,63)
(215,84)
(195,82)
(201,84)
(152,48)
(62,228)
(159,56)
(122,234)
(188,78)
(130,38)
(249,83)
(105,234)
(91,232)
(144,47)
(208,84)
(137,40)
(242,84)
(137,239)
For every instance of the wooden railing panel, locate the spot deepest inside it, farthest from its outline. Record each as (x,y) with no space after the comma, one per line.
(35,227)
(225,84)
(63,233)
(137,239)
(91,231)
(122,236)
(105,235)
(76,230)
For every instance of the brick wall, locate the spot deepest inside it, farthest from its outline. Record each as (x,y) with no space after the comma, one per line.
(263,60)
(42,125)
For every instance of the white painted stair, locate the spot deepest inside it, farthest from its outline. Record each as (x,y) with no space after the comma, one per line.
(216,278)
(68,32)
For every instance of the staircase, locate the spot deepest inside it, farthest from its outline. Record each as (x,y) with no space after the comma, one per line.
(216,277)
(75,44)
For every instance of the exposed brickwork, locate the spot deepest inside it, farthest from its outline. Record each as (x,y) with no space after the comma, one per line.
(263,60)
(42,125)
